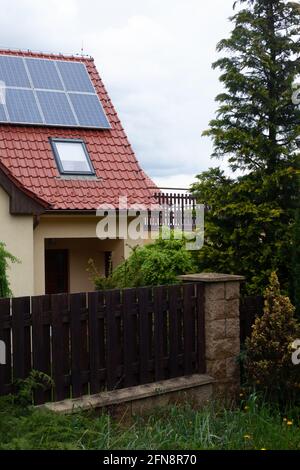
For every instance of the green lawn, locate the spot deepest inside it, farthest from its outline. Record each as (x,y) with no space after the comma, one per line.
(248,427)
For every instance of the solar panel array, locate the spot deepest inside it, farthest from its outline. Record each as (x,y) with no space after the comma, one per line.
(48,92)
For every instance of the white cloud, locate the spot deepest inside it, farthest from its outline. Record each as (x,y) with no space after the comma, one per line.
(155,58)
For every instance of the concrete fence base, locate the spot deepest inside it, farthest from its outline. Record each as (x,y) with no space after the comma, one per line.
(196,389)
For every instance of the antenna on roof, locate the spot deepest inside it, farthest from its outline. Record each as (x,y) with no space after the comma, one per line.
(82,47)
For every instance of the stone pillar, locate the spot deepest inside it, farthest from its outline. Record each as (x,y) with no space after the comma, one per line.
(222,328)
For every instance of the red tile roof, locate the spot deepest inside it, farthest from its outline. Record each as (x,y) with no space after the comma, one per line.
(26,153)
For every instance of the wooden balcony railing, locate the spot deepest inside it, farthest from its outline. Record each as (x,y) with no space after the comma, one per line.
(176,211)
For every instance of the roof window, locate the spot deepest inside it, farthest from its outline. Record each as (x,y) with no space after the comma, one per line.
(72,157)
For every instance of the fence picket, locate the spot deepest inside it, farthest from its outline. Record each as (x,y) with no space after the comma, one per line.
(111,341)
(129,336)
(158,332)
(94,339)
(75,306)
(188,291)
(145,333)
(174,294)
(59,347)
(21,337)
(41,343)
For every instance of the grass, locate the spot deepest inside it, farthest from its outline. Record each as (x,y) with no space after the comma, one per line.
(251,426)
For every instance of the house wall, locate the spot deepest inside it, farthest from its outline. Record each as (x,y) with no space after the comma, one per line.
(80,251)
(17,233)
(78,234)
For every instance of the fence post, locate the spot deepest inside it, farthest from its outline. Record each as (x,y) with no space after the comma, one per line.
(222,328)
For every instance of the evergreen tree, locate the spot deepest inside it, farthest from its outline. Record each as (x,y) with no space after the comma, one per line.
(257,122)
(295,285)
(250,223)
(268,361)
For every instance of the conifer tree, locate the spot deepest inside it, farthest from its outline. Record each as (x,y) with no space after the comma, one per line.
(257,123)
(249,227)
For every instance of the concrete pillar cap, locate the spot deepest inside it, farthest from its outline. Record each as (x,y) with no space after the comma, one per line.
(211,277)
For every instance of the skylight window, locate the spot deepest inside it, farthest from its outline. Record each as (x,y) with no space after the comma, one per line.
(72,157)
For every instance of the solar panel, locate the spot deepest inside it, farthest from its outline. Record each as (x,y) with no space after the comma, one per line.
(88,110)
(56,108)
(75,76)
(13,72)
(44,74)
(49,92)
(22,106)
(2,113)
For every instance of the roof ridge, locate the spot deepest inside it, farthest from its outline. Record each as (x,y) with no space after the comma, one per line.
(40,54)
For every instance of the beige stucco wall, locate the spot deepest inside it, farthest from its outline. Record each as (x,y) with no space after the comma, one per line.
(17,233)
(80,251)
(78,235)
(75,233)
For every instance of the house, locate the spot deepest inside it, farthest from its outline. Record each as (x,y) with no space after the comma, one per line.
(63,153)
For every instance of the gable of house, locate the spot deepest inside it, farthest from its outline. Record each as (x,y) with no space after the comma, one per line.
(47,213)
(27,153)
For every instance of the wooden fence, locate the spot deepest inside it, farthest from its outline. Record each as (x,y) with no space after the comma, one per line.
(103,340)
(250,308)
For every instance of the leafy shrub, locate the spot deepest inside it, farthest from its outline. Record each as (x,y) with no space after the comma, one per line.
(154,264)
(5,258)
(268,360)
(24,388)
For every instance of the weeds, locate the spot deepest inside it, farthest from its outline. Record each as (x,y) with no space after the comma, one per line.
(251,426)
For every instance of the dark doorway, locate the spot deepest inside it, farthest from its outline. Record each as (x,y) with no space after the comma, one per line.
(57,271)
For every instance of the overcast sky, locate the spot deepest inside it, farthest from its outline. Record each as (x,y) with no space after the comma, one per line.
(155,59)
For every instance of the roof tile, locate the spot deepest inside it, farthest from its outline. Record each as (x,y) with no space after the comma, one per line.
(26,152)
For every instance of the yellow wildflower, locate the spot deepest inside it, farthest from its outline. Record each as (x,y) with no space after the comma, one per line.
(289,423)
(247,436)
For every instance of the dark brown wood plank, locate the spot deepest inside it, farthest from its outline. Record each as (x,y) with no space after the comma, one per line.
(129,338)
(158,332)
(165,314)
(250,308)
(21,338)
(5,329)
(75,325)
(111,340)
(84,345)
(119,350)
(59,346)
(188,318)
(41,344)
(174,295)
(201,361)
(94,340)
(145,333)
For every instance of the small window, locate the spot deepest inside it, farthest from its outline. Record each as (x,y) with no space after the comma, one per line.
(72,157)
